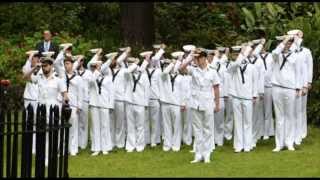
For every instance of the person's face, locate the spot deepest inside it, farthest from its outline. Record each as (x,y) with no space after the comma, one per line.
(81,63)
(68,66)
(46,68)
(47,36)
(201,60)
(234,55)
(288,45)
(34,61)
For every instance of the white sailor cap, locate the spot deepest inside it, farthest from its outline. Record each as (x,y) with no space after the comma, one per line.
(65,45)
(95,62)
(48,54)
(123,48)
(293,32)
(209,51)
(156,46)
(280,38)
(145,53)
(177,54)
(132,60)
(221,49)
(111,55)
(32,52)
(236,48)
(80,57)
(256,41)
(189,47)
(94,51)
(46,59)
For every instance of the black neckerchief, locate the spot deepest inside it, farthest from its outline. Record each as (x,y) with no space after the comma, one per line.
(242,70)
(99,83)
(172,79)
(254,60)
(125,64)
(81,74)
(69,79)
(135,81)
(114,75)
(150,75)
(219,66)
(285,58)
(299,50)
(227,64)
(264,60)
(161,66)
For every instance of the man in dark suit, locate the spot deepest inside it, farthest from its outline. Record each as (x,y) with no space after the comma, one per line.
(47,45)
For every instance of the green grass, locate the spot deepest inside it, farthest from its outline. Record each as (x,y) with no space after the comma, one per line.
(153,162)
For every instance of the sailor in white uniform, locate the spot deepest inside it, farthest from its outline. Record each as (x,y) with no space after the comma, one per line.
(203,102)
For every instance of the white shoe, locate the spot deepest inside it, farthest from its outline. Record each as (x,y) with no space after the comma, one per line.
(196,160)
(105,152)
(129,151)
(175,149)
(265,137)
(246,150)
(166,149)
(153,145)
(95,153)
(207,159)
(237,150)
(291,148)
(73,154)
(140,149)
(192,151)
(277,149)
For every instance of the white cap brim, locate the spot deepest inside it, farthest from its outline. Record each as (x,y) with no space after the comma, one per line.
(236,48)
(111,55)
(145,53)
(189,47)
(156,46)
(177,54)
(293,32)
(48,54)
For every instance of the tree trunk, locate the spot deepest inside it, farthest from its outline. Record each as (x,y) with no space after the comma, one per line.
(137,27)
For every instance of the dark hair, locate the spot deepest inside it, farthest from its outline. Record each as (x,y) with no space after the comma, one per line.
(202,54)
(37,55)
(68,58)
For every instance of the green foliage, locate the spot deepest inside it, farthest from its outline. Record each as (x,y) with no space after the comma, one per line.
(13,57)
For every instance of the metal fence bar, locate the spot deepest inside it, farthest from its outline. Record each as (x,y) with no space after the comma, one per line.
(15,147)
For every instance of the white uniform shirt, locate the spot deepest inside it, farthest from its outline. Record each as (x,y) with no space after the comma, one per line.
(171,87)
(287,77)
(202,94)
(138,87)
(244,79)
(85,76)
(49,88)
(31,89)
(267,61)
(75,90)
(154,80)
(219,66)
(102,90)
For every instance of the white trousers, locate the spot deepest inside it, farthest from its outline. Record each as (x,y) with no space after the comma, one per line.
(83,126)
(304,116)
(202,128)
(187,126)
(118,124)
(172,125)
(100,129)
(219,124)
(284,106)
(242,109)
(228,125)
(73,132)
(257,120)
(135,127)
(298,125)
(268,119)
(152,123)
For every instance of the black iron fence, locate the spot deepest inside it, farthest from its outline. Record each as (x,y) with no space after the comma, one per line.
(44,129)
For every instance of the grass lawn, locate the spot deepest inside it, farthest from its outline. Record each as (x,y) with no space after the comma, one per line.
(153,162)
